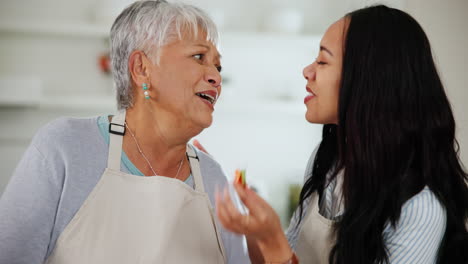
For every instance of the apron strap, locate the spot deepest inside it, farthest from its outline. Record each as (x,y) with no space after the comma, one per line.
(198,180)
(195,168)
(116,133)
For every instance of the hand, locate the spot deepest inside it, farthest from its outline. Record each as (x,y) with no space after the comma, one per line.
(199,146)
(261,224)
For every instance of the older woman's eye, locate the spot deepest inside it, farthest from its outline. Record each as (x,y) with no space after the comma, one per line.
(198,56)
(219,68)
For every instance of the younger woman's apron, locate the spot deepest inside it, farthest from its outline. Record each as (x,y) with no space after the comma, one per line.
(315,237)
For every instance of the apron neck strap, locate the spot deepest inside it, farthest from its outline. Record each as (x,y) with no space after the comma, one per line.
(195,168)
(116,132)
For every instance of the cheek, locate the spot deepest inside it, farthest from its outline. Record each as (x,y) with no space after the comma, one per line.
(331,80)
(191,79)
(333,99)
(336,88)
(325,108)
(181,84)
(329,84)
(335,92)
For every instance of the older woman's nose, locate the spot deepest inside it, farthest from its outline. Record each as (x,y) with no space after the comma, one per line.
(213,77)
(309,72)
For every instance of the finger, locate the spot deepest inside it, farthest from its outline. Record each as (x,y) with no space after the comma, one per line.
(225,215)
(234,212)
(197,144)
(217,196)
(237,218)
(220,207)
(251,200)
(221,211)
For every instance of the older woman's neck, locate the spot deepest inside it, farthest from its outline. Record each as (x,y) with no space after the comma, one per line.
(159,134)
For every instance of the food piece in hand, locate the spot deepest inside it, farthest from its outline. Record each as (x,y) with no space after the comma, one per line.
(240,178)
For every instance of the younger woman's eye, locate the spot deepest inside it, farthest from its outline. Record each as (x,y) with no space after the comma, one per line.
(319,62)
(219,68)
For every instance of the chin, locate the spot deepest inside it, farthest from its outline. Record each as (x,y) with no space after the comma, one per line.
(310,117)
(323,120)
(205,122)
(314,119)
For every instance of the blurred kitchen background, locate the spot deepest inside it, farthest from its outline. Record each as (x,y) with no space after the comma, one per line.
(53,63)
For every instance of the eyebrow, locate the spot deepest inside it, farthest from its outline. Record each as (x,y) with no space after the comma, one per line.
(207,47)
(322,48)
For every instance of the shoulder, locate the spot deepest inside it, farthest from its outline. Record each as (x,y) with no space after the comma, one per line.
(209,167)
(423,207)
(310,164)
(419,231)
(212,173)
(206,159)
(64,132)
(66,127)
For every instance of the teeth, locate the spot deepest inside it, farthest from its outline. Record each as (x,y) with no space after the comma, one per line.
(208,97)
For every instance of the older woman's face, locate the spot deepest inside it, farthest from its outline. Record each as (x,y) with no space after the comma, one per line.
(324,76)
(187,79)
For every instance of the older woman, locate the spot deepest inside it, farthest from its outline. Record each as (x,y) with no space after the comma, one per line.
(80,193)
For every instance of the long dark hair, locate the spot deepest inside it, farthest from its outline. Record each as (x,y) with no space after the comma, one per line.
(396,135)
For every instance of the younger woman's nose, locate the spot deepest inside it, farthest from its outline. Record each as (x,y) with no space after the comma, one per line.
(309,72)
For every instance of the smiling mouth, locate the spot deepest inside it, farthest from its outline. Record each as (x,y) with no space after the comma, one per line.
(207,97)
(309,91)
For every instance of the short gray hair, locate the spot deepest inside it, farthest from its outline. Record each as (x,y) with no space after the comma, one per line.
(147,26)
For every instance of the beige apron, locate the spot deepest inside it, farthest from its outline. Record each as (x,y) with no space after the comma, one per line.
(315,237)
(131,219)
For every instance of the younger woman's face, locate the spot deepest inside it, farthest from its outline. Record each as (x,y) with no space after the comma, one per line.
(324,76)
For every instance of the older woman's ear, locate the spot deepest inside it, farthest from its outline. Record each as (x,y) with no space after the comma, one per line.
(138,65)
